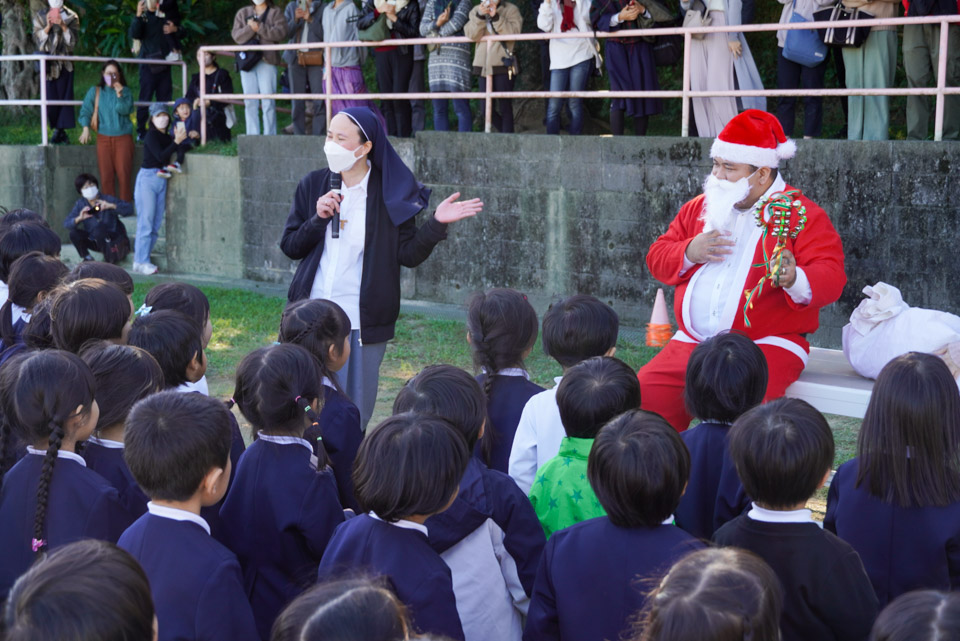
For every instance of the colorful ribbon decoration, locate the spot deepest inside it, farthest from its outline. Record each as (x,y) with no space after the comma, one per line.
(781,206)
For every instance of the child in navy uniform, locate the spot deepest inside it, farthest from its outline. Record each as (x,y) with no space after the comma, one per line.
(22,236)
(923,615)
(50,498)
(783,452)
(85,591)
(178,448)
(193,303)
(32,277)
(898,502)
(86,310)
(122,375)
(716,594)
(407,470)
(490,537)
(587,586)
(176,342)
(591,394)
(502,328)
(726,376)
(574,329)
(323,329)
(283,504)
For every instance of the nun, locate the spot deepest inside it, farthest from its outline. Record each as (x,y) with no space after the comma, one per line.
(352,241)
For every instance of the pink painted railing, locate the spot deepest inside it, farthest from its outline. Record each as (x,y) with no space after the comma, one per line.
(940,90)
(43,102)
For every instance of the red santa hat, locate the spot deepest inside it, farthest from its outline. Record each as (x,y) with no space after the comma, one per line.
(755,138)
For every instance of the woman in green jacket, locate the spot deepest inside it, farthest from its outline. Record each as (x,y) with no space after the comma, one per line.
(106,109)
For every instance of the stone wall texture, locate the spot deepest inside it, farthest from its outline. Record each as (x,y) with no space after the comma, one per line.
(562,214)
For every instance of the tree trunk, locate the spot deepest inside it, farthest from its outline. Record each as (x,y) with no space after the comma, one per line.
(18,80)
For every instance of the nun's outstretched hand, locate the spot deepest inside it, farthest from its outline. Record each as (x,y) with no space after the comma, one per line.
(450,211)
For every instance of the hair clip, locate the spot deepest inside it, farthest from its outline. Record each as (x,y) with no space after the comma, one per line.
(143,311)
(38,544)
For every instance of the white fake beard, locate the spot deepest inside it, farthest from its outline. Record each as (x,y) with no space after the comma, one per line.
(720,197)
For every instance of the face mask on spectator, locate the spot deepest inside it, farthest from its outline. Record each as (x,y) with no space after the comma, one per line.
(339,159)
(90,192)
(161,121)
(258,2)
(56,4)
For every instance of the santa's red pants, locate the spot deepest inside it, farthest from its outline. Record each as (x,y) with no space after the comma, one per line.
(662,379)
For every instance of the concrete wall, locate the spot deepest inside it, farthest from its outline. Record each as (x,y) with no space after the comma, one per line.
(563,214)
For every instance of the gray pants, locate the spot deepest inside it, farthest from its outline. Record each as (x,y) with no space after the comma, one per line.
(298,84)
(360,377)
(921,53)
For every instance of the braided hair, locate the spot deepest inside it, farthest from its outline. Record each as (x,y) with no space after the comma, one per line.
(317,325)
(503,327)
(44,407)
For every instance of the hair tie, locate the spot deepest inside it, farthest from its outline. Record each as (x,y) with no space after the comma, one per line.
(38,544)
(144,310)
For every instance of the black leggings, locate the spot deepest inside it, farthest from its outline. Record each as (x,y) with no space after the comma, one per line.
(394,68)
(502,112)
(617,124)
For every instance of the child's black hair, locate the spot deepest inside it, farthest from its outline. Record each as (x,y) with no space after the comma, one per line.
(909,444)
(170,337)
(31,276)
(715,594)
(9,441)
(275,387)
(503,327)
(88,309)
(450,393)
(345,610)
(21,215)
(50,386)
(172,441)
(410,465)
(781,450)
(921,615)
(85,591)
(83,179)
(595,391)
(180,297)
(123,375)
(578,328)
(638,468)
(18,239)
(38,333)
(317,325)
(726,376)
(104,271)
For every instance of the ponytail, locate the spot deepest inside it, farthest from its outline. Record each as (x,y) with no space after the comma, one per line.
(4,444)
(39,543)
(322,453)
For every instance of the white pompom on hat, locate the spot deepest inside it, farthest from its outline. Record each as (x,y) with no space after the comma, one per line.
(755,138)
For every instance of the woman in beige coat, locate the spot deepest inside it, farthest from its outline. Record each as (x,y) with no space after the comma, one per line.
(503,18)
(265,22)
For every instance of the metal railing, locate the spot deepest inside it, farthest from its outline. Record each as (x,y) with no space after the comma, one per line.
(686,93)
(43,102)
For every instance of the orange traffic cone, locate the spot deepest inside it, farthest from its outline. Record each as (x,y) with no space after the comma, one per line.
(659,329)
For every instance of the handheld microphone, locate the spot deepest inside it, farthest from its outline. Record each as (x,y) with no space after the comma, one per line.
(335,183)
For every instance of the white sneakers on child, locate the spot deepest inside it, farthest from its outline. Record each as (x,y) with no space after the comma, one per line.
(147,269)
(173,167)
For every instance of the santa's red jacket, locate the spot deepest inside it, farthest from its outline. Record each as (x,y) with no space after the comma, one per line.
(817,249)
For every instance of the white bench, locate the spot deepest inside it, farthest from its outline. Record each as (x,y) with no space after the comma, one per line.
(830,384)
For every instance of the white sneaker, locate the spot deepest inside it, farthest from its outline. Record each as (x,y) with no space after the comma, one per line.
(174,56)
(147,269)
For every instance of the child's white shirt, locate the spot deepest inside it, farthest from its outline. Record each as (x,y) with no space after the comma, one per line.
(538,437)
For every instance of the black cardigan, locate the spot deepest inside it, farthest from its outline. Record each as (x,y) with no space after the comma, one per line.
(386,248)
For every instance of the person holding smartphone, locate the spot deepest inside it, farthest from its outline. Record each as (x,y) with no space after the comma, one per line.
(449,64)
(55,32)
(260,23)
(305,22)
(94,222)
(156,83)
(106,110)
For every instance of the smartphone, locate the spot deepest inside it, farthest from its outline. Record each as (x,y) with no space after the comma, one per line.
(304,5)
(53,13)
(181,126)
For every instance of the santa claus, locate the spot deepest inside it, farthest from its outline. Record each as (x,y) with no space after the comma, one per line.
(752,255)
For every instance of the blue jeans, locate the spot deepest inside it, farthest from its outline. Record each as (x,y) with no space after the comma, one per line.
(150,199)
(570,79)
(441,117)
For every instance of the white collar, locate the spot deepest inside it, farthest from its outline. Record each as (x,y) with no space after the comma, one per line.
(557,379)
(291,440)
(72,456)
(327,382)
(668,520)
(18,313)
(177,514)
(200,387)
(362,185)
(514,371)
(758,513)
(402,523)
(107,443)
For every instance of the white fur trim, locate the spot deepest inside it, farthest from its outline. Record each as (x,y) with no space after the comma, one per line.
(746,154)
(787,150)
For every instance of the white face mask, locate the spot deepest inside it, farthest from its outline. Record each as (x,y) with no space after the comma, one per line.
(339,159)
(258,2)
(56,4)
(720,198)
(89,192)
(161,122)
